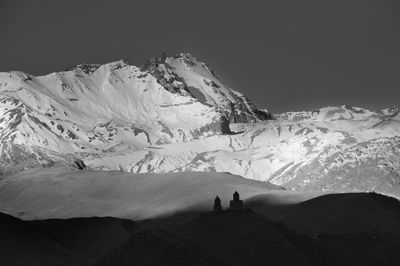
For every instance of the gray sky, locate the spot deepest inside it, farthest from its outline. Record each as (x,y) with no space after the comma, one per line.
(284,55)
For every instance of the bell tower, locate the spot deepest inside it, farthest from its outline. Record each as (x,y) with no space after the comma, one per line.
(236,203)
(217,205)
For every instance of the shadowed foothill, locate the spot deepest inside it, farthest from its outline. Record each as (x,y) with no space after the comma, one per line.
(336,229)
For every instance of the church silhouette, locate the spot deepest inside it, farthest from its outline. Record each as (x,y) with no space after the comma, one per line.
(235,205)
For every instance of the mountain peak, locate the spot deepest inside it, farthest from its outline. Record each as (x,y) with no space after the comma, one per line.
(91,68)
(117,64)
(186,57)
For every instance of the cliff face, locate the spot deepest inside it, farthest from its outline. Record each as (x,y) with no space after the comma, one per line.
(243,111)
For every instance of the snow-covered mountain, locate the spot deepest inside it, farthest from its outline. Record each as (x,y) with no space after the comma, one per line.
(92,109)
(173,114)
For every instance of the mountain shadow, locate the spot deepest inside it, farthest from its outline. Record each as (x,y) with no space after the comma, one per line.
(336,229)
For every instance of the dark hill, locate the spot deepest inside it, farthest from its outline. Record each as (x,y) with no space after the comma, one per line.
(359,228)
(347,212)
(24,244)
(91,237)
(79,241)
(337,229)
(228,239)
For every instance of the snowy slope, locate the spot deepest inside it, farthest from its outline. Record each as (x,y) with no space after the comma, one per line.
(344,112)
(323,152)
(59,192)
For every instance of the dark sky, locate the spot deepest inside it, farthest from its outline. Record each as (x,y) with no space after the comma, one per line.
(284,55)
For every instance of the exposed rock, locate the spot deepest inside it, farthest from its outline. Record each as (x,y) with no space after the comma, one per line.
(80,164)
(235,106)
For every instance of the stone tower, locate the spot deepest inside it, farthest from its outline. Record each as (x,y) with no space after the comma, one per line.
(236,203)
(217,205)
